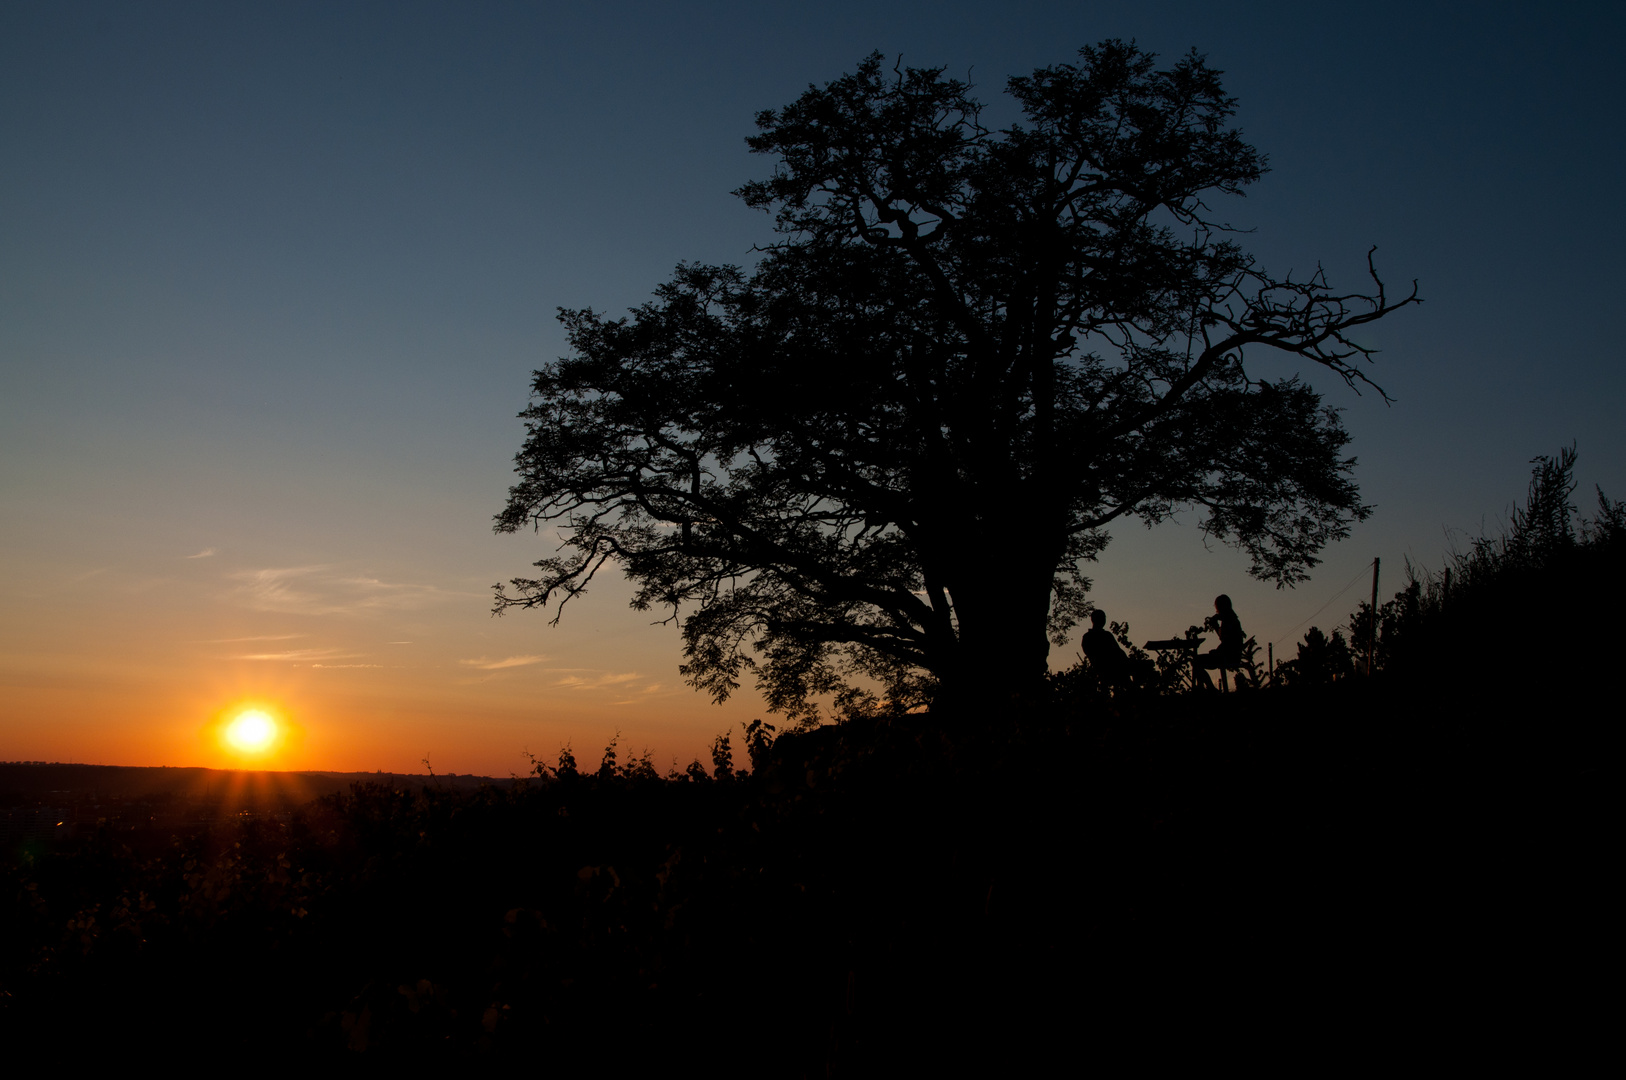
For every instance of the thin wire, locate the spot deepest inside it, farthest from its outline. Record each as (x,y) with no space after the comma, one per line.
(1325,606)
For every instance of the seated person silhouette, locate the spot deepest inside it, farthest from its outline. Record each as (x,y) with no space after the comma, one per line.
(1228,655)
(1106,659)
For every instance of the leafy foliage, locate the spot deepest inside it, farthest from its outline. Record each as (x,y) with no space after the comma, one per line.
(884,457)
(1321,660)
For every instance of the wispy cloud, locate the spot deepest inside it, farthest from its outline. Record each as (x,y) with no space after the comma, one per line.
(602,682)
(496,665)
(392,595)
(257,637)
(295,656)
(279,589)
(204,554)
(317,590)
(331,667)
(652,688)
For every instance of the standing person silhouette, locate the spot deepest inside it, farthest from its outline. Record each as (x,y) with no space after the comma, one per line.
(1228,655)
(1106,658)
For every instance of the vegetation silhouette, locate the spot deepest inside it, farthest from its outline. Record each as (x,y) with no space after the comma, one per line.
(1136,871)
(887,454)
(1549,568)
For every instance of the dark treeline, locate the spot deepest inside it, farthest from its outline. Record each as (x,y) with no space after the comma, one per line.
(26,783)
(1330,870)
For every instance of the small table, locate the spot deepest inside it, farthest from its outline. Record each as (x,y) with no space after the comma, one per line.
(1189,646)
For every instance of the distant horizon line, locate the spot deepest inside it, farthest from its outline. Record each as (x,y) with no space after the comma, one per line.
(211,768)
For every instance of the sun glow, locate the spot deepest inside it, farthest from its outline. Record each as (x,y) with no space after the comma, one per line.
(252,732)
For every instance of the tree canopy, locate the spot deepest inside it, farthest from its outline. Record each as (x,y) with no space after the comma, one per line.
(890,450)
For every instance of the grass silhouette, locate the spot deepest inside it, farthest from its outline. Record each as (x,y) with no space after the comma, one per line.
(1328,869)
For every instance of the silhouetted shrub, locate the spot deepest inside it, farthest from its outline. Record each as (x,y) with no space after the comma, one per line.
(900,892)
(1502,625)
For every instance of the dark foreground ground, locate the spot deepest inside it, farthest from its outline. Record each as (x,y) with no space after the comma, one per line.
(1409,872)
(1354,874)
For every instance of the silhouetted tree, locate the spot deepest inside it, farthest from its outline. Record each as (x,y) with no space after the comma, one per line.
(1321,660)
(1546,524)
(890,449)
(1396,620)
(722,758)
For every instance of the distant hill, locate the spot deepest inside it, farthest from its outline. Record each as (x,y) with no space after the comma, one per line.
(64,784)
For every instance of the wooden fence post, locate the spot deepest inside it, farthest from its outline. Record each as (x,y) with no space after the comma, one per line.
(1372,635)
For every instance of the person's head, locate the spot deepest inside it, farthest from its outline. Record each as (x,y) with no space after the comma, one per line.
(1222,603)
(1099,618)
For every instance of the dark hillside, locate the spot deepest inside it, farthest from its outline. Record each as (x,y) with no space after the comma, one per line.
(24,783)
(1315,863)
(1349,870)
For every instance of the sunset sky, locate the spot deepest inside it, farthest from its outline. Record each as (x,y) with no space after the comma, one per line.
(273,278)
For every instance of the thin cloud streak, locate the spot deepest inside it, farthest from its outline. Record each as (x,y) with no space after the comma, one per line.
(273,589)
(395,595)
(299,655)
(204,554)
(310,590)
(603,682)
(497,665)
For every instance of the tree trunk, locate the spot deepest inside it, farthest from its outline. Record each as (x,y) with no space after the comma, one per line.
(1001,658)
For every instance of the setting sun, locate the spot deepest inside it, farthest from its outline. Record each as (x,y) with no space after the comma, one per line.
(252,732)
(256,732)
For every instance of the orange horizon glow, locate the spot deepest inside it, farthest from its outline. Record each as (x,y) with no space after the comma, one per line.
(390,724)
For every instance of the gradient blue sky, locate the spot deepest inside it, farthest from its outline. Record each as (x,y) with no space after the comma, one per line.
(272,279)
